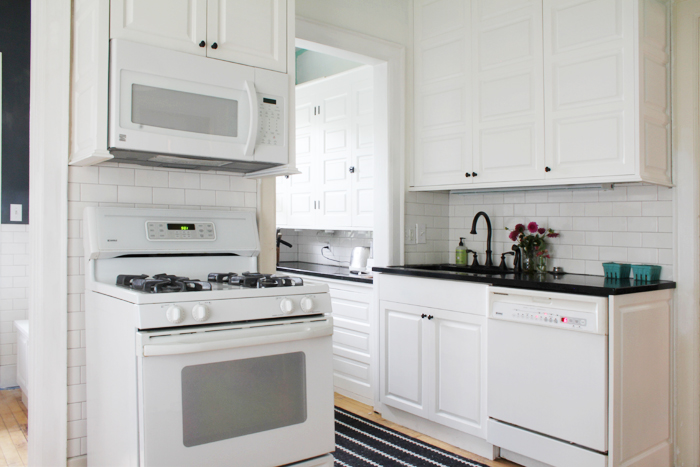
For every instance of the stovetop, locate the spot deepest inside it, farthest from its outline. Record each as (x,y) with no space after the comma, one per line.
(171,283)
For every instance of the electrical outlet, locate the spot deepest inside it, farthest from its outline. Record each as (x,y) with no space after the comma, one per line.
(15,213)
(410,235)
(420,233)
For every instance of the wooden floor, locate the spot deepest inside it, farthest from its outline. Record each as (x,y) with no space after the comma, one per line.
(366,411)
(13,429)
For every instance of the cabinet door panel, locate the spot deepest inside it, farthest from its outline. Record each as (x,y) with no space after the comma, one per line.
(172,24)
(443,141)
(402,357)
(589,64)
(458,367)
(282,200)
(508,118)
(362,147)
(249,32)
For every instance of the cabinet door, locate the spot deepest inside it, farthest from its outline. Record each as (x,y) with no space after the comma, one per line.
(334,152)
(508,118)
(590,82)
(402,358)
(362,145)
(172,24)
(457,361)
(302,196)
(249,32)
(442,51)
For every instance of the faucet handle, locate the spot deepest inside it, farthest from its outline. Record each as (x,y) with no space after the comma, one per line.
(503,260)
(475,261)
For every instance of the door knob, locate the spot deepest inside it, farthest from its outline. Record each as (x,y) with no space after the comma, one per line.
(214,45)
(547,169)
(423,315)
(467,175)
(474,174)
(431,316)
(202,44)
(352,170)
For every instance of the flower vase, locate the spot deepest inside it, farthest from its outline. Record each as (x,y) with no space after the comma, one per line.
(541,264)
(528,262)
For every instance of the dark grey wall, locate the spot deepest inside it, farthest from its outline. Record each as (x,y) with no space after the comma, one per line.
(15,16)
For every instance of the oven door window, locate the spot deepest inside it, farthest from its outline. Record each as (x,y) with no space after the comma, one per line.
(183,111)
(225,400)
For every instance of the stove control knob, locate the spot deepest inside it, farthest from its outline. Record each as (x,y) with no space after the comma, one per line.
(200,312)
(175,314)
(287,306)
(307,304)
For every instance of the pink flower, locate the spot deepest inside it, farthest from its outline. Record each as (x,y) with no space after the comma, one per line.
(519,228)
(552,234)
(532,227)
(541,230)
(513,235)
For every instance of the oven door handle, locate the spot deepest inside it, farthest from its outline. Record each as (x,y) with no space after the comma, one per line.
(154,346)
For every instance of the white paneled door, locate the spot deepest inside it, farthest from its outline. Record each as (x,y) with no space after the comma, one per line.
(335,154)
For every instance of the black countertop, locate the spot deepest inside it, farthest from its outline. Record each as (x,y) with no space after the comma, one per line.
(582,284)
(322,270)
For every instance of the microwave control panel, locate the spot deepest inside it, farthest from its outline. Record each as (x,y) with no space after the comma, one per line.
(270,120)
(180,230)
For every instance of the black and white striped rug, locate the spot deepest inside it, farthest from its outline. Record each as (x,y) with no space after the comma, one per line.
(362,443)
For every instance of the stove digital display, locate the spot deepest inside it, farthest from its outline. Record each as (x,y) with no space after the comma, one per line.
(181,227)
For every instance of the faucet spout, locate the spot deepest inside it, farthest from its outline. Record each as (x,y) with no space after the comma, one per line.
(489,260)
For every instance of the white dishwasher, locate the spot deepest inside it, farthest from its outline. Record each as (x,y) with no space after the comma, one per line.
(548,376)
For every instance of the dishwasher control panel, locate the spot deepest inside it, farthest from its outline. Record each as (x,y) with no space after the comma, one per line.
(567,319)
(560,311)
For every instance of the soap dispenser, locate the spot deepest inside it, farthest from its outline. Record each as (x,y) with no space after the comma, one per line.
(461,253)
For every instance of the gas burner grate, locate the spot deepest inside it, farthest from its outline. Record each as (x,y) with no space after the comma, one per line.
(162,283)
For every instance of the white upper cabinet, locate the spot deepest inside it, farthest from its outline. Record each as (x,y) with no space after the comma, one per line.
(443,95)
(508,110)
(249,32)
(252,33)
(334,153)
(562,92)
(172,24)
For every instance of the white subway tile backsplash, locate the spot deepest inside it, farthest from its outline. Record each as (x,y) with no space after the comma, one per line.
(116,176)
(184,180)
(200,197)
(629,224)
(152,178)
(98,193)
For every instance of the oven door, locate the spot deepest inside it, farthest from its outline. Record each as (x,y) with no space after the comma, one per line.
(237,395)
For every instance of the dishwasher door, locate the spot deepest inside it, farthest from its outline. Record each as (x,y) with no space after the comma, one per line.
(548,364)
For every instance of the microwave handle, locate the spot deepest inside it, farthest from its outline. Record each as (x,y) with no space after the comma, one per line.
(253,130)
(235,338)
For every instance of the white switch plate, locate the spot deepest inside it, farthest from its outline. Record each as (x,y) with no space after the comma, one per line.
(15,213)
(420,233)
(410,235)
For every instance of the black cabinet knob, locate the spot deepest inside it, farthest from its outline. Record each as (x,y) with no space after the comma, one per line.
(352,170)
(423,315)
(467,175)
(202,44)
(214,45)
(547,169)
(430,317)
(474,174)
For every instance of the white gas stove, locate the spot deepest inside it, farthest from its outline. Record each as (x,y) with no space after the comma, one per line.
(193,356)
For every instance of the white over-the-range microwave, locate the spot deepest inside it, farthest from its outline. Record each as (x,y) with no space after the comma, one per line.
(173,109)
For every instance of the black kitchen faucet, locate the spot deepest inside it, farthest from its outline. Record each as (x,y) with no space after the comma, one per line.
(489,261)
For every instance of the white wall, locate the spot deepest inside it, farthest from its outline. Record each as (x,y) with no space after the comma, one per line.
(312,65)
(125,185)
(14,281)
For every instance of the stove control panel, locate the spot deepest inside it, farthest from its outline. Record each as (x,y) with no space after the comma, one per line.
(156,230)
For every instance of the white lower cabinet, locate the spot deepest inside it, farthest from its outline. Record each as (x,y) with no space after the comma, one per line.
(432,350)
(352,337)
